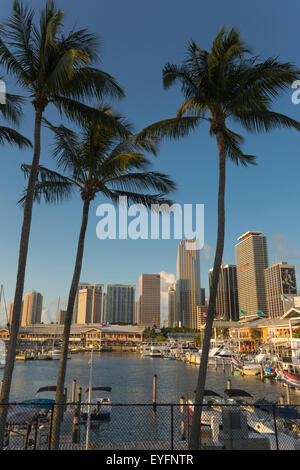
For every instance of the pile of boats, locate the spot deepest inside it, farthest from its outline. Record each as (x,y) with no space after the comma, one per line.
(254,421)
(266,365)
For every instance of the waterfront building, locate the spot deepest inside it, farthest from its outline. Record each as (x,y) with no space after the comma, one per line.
(32,308)
(149,300)
(90,304)
(172,306)
(188,285)
(251,262)
(120,303)
(227,304)
(280,280)
(80,335)
(81,286)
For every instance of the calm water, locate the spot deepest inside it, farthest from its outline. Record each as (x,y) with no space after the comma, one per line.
(131,376)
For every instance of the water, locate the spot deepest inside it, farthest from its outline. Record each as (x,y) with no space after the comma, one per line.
(131,378)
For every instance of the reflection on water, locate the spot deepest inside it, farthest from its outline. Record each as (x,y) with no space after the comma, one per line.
(131,376)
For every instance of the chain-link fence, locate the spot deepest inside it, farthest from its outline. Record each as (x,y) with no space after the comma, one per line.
(145,427)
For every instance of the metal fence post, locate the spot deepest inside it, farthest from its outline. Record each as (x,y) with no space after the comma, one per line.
(50,427)
(275,427)
(172,426)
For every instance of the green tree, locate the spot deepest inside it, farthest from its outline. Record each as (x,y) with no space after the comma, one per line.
(198,340)
(57,69)
(95,161)
(223,86)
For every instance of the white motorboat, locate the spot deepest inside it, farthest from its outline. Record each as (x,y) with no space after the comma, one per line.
(55,354)
(2,354)
(220,353)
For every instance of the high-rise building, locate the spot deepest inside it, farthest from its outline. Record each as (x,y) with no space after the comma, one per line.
(32,308)
(149,300)
(136,312)
(61,316)
(227,303)
(251,262)
(81,285)
(90,304)
(172,306)
(188,285)
(120,303)
(281,288)
(202,300)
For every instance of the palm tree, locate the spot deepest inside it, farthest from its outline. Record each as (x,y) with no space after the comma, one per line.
(96,161)
(55,69)
(11,110)
(224,85)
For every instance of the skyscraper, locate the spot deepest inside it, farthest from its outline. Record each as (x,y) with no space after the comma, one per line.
(227,304)
(32,308)
(188,285)
(120,303)
(90,304)
(149,300)
(172,320)
(251,261)
(281,288)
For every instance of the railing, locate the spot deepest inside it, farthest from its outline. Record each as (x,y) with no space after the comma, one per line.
(144,427)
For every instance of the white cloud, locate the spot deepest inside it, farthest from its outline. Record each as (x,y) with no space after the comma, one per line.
(283,249)
(206,253)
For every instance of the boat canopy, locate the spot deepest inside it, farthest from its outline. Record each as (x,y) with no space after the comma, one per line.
(236,392)
(104,389)
(49,388)
(210,393)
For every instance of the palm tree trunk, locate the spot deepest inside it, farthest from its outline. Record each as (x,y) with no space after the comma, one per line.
(196,424)
(23,251)
(58,411)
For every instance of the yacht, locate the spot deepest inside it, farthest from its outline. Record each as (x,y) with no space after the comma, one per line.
(220,353)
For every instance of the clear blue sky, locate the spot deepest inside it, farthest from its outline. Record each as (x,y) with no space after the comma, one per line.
(138,38)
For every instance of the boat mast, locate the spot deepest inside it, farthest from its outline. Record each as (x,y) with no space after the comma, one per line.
(5,306)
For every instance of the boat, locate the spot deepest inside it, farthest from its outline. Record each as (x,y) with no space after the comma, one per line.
(2,354)
(289,374)
(55,354)
(212,403)
(246,368)
(100,407)
(220,353)
(42,403)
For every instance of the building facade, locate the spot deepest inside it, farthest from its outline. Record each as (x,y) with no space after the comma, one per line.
(149,300)
(227,303)
(120,303)
(251,262)
(188,285)
(172,320)
(280,280)
(90,304)
(32,308)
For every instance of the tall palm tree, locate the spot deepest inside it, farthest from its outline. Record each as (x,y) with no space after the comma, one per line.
(222,86)
(54,68)
(96,161)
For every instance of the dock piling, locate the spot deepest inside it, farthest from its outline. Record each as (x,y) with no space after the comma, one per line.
(77,419)
(182,427)
(74,391)
(154,390)
(228,384)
